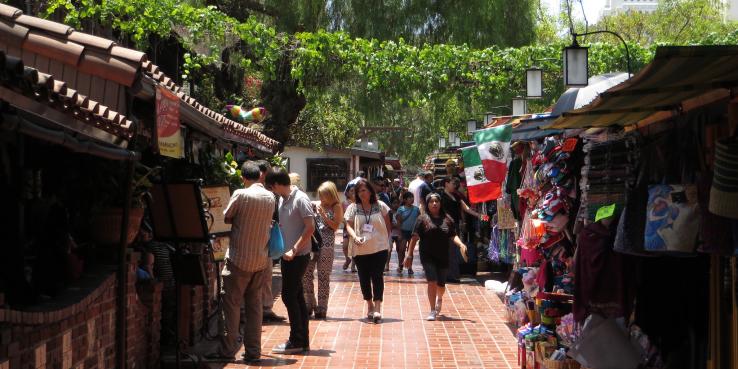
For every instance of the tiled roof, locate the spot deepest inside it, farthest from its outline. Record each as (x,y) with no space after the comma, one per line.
(50,91)
(230,126)
(99,57)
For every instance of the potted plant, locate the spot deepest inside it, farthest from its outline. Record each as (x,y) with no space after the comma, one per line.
(108,215)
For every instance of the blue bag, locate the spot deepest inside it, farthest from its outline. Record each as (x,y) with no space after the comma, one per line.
(276,242)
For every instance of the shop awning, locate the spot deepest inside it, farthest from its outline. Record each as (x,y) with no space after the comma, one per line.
(679,78)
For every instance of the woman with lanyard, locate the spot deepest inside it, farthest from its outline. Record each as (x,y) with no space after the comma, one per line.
(436,231)
(453,204)
(369,227)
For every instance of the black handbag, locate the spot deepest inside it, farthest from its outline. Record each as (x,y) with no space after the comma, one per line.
(316,240)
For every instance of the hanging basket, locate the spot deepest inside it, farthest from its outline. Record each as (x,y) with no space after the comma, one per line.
(105,225)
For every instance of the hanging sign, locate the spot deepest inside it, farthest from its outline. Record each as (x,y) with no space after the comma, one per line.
(168,133)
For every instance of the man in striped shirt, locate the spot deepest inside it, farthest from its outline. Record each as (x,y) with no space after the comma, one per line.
(247,264)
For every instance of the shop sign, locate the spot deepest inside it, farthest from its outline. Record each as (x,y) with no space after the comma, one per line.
(168,135)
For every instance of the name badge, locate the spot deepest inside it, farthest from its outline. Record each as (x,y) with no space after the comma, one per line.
(367,228)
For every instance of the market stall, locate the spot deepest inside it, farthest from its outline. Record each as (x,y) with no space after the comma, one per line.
(624,238)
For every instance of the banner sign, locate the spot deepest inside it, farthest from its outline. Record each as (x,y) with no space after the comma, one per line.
(167,124)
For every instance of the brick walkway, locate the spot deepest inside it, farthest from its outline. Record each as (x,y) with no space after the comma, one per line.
(471,333)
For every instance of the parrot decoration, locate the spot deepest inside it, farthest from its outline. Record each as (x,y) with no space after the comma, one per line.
(241,115)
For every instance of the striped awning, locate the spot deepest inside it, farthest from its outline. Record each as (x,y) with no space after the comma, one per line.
(679,78)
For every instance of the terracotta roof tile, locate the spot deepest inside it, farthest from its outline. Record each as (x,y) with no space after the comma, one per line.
(128,54)
(13,34)
(64,51)
(63,98)
(90,40)
(58,29)
(9,11)
(107,67)
(60,43)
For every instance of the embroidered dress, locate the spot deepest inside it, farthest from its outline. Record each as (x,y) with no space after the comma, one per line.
(324,263)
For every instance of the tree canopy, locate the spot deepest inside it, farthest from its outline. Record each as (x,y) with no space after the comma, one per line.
(423,67)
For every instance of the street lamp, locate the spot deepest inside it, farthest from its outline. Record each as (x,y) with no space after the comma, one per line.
(457,143)
(442,142)
(471,126)
(576,65)
(451,138)
(534,83)
(520,106)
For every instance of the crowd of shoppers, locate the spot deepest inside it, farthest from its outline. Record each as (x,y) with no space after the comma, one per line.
(375,215)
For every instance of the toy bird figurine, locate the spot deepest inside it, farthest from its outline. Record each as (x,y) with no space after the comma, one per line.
(241,115)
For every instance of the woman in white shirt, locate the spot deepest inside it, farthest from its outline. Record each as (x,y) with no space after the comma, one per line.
(369,229)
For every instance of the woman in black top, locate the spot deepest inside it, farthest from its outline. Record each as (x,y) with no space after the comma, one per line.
(436,231)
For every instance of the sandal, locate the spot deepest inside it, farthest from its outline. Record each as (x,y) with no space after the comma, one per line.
(346,264)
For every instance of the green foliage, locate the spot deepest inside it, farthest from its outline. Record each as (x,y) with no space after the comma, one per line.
(398,74)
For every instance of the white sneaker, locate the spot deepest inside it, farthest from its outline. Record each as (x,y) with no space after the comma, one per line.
(439,305)
(432,316)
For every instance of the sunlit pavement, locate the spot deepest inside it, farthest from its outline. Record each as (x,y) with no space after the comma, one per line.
(471,332)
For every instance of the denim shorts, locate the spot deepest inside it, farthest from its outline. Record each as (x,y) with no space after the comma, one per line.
(435,272)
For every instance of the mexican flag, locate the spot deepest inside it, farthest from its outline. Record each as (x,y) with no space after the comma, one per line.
(479,187)
(494,149)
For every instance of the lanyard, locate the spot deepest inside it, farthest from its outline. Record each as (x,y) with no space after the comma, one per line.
(369,216)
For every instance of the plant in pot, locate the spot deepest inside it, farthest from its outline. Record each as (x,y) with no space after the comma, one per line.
(107,216)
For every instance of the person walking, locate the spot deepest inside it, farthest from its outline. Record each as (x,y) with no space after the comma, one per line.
(350,196)
(247,265)
(453,205)
(436,231)
(329,218)
(296,220)
(406,217)
(369,227)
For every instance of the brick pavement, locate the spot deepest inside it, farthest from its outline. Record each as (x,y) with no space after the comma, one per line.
(471,333)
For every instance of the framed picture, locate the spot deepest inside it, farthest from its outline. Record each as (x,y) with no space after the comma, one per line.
(220,246)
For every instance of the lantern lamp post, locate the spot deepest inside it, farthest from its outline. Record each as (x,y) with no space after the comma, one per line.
(576,63)
(520,106)
(534,83)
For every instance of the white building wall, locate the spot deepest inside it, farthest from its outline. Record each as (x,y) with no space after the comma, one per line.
(612,6)
(298,161)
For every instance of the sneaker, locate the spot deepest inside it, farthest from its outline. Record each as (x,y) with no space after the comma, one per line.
(289,348)
(410,272)
(346,264)
(399,270)
(377,317)
(439,305)
(432,316)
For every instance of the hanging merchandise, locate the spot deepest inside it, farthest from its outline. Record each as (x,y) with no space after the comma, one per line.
(724,191)
(502,245)
(672,218)
(505,217)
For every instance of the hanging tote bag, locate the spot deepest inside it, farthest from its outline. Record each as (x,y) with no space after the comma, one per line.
(276,242)
(672,218)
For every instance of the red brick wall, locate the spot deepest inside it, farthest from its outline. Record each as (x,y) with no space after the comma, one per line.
(83,335)
(198,303)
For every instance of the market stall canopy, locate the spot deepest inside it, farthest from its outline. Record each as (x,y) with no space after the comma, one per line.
(679,78)
(530,129)
(102,70)
(507,119)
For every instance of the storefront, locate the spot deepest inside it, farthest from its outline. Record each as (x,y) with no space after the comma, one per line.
(89,126)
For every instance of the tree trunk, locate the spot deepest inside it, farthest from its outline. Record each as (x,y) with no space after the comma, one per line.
(282,100)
